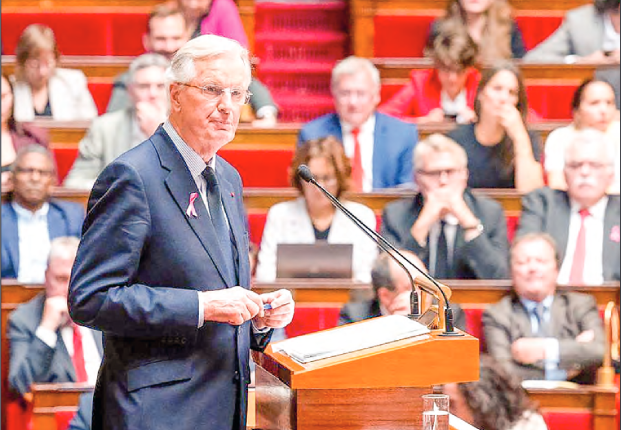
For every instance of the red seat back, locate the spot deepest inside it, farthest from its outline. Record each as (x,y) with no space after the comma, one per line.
(312,318)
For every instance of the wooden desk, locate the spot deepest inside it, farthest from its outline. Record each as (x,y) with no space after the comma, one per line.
(48,399)
(92,66)
(599,401)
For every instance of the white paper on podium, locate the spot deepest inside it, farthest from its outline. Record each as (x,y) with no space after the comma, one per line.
(349,338)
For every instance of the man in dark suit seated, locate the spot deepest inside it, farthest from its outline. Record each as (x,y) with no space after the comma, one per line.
(32,219)
(538,332)
(456,233)
(584,220)
(379,146)
(391,293)
(45,345)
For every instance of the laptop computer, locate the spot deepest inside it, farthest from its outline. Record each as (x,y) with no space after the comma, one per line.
(314,260)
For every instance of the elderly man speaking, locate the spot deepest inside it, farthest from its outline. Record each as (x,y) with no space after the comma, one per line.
(163,266)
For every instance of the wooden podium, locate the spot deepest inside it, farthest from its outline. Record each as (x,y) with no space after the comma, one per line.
(375,388)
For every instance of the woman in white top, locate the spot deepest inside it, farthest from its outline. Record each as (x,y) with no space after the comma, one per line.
(41,90)
(312,217)
(593,106)
(496,401)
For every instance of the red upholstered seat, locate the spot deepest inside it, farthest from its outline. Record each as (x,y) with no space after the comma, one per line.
(309,319)
(101,91)
(473,324)
(260,167)
(81,32)
(565,420)
(65,156)
(63,418)
(18,418)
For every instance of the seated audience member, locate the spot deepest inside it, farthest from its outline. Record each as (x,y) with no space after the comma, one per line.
(83,418)
(166,33)
(379,146)
(114,133)
(502,153)
(538,332)
(583,220)
(312,217)
(42,90)
(589,34)
(593,106)
(444,93)
(496,401)
(489,23)
(31,219)
(612,75)
(15,135)
(219,17)
(45,344)
(456,233)
(391,293)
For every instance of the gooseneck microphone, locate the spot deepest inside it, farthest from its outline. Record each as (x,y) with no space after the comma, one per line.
(304,173)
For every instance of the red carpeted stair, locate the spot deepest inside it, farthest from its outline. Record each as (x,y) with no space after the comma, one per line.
(297,45)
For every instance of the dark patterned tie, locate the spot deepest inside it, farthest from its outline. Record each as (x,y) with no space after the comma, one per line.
(442,270)
(216,213)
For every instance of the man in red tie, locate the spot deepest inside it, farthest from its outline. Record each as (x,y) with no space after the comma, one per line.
(583,220)
(45,345)
(378,145)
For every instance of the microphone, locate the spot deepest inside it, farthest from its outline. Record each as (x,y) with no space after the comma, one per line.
(429,285)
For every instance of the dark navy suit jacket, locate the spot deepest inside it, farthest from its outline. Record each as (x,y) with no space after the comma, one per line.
(63,219)
(140,264)
(392,148)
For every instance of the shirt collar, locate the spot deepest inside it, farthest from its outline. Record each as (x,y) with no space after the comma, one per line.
(367,126)
(597,211)
(22,212)
(530,305)
(194,161)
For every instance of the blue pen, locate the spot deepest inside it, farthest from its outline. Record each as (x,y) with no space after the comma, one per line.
(267,307)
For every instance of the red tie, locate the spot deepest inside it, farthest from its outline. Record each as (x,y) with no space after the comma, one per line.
(356,163)
(576,277)
(78,356)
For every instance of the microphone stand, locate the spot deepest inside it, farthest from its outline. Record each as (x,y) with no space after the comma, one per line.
(449,329)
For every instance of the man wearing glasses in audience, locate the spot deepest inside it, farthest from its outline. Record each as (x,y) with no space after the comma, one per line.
(31,219)
(457,234)
(584,220)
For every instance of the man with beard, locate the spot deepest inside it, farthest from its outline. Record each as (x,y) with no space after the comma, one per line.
(584,220)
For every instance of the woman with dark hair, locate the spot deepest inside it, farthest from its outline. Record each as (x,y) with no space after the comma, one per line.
(496,401)
(220,17)
(489,23)
(312,217)
(444,93)
(15,135)
(593,106)
(502,153)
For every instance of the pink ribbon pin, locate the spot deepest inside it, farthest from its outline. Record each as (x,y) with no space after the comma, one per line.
(191,211)
(614,233)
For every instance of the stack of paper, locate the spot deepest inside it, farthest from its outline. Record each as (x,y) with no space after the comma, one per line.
(349,338)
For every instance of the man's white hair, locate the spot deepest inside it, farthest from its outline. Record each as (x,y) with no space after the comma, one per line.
(182,68)
(352,65)
(591,137)
(64,248)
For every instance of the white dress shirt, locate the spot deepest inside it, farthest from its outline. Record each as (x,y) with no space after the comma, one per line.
(594,225)
(453,106)
(34,243)
(611,37)
(366,139)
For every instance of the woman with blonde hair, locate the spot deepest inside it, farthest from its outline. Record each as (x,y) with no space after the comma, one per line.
(312,217)
(43,90)
(489,23)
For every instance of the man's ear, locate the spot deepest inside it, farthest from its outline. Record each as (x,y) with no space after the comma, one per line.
(384,295)
(174,92)
(145,42)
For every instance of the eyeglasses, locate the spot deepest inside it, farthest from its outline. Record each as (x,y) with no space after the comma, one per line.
(214,92)
(347,94)
(35,63)
(326,180)
(29,172)
(437,174)
(592,165)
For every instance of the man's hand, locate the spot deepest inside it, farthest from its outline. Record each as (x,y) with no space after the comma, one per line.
(529,350)
(586,336)
(598,57)
(281,312)
(434,116)
(268,121)
(55,313)
(234,305)
(466,115)
(150,116)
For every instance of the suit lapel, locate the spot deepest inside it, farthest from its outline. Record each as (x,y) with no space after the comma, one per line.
(334,128)
(180,184)
(378,154)
(560,222)
(610,248)
(11,238)
(64,361)
(524,327)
